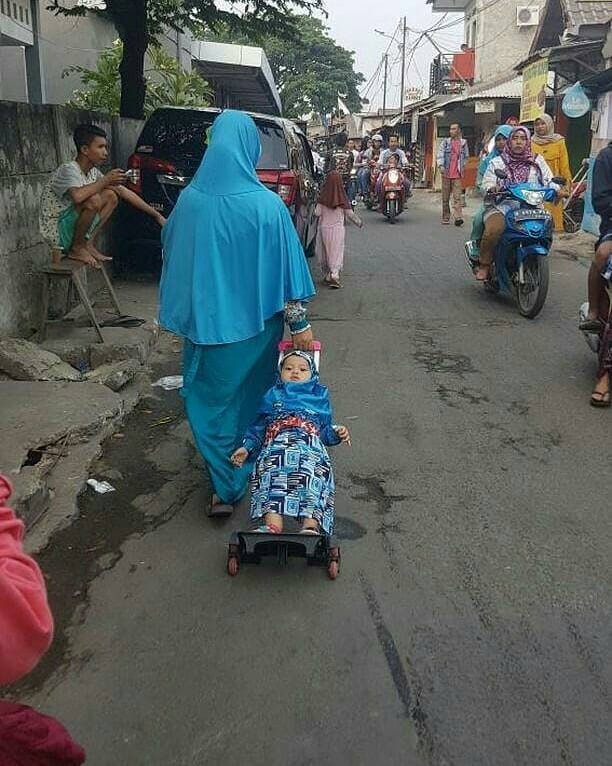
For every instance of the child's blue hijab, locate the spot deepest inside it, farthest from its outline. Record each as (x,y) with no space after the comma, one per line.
(232,258)
(308,397)
(502,130)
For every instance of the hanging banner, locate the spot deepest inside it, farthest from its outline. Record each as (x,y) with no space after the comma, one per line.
(414,132)
(533,100)
(576,103)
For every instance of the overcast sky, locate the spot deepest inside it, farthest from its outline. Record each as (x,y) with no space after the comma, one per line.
(354,29)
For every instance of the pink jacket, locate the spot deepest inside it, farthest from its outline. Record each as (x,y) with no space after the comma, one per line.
(26,624)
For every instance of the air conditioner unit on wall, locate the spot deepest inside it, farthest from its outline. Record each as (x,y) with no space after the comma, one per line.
(527,16)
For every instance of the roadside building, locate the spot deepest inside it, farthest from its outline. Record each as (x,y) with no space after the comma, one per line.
(500,33)
(37,48)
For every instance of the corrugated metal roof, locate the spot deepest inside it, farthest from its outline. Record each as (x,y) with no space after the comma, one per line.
(512,88)
(587,12)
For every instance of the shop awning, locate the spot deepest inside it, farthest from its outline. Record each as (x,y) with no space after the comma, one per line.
(507,89)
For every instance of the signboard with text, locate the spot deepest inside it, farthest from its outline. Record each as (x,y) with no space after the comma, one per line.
(484,107)
(533,100)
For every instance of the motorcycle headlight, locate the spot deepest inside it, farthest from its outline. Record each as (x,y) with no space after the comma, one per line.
(393,176)
(533,197)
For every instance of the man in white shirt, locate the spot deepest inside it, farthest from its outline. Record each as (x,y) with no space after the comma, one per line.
(79,200)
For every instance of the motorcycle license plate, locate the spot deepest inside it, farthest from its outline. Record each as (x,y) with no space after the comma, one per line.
(530,215)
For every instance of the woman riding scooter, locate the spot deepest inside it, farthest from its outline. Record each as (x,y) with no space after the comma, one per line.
(520,165)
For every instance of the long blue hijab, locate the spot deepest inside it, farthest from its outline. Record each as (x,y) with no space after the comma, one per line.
(502,130)
(232,257)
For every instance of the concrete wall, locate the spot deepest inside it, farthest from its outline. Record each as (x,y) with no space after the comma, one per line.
(68,42)
(500,44)
(33,142)
(13,83)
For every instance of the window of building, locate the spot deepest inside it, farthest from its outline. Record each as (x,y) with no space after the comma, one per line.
(15,11)
(27,13)
(21,13)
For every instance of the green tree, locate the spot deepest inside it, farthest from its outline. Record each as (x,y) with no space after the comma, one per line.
(310,71)
(166,83)
(140,22)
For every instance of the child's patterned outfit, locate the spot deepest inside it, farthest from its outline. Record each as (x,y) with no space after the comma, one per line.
(293,475)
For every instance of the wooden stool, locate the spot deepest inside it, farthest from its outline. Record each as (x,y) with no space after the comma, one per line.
(72,271)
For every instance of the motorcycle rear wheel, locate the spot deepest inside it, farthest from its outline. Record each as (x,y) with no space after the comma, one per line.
(531,295)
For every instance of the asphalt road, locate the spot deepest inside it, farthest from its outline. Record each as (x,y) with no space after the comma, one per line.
(471,622)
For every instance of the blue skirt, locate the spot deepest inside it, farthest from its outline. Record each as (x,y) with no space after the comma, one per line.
(223,387)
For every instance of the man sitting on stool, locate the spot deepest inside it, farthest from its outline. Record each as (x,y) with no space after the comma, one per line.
(78,200)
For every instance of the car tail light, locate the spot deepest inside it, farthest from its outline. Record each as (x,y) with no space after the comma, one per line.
(138,162)
(287,187)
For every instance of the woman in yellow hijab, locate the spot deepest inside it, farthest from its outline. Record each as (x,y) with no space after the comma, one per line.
(552,147)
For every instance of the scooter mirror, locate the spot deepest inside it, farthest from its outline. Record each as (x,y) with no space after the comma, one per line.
(501,173)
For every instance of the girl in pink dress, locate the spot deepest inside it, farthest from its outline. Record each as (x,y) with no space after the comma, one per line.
(333,210)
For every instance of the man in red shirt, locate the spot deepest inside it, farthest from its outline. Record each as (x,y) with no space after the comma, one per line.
(452,157)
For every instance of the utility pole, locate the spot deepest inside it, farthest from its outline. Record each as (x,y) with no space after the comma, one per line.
(386,61)
(403,68)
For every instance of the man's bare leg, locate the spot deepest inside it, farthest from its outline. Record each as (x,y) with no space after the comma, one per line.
(595,282)
(109,202)
(78,249)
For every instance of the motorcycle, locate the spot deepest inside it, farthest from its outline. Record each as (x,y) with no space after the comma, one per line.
(520,264)
(392,193)
(601,342)
(352,188)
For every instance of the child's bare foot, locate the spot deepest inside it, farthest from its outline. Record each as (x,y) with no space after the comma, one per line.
(82,253)
(100,257)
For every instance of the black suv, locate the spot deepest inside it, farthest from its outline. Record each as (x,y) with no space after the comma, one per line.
(169,151)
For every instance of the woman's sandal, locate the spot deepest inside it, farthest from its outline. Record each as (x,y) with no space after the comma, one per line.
(219,509)
(600,399)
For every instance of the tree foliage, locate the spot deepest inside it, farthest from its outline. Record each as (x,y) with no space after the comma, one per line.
(141,22)
(166,83)
(310,71)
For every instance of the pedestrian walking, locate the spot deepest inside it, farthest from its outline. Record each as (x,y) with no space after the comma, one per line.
(552,147)
(452,157)
(234,270)
(333,210)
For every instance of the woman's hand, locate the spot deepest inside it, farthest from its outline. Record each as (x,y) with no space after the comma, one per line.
(239,457)
(343,434)
(303,340)
(160,219)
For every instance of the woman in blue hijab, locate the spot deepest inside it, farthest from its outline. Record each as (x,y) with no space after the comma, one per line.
(233,270)
(499,142)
